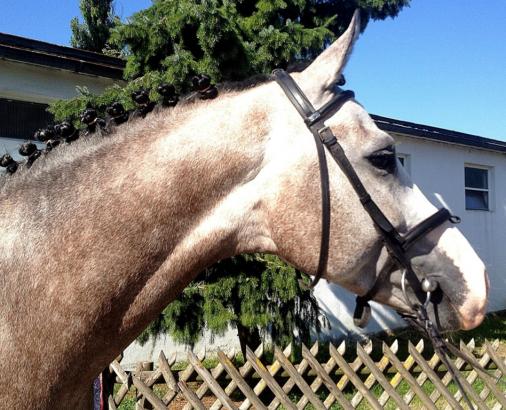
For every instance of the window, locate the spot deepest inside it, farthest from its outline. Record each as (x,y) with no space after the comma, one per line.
(477,188)
(20,119)
(404,159)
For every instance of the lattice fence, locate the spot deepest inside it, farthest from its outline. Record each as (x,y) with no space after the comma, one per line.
(347,377)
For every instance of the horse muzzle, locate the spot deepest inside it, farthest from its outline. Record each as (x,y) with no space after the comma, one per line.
(452,309)
(472,311)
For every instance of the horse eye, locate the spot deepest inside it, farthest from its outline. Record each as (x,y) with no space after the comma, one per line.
(384,159)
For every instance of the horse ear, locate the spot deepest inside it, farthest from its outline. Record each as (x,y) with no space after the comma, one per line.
(325,71)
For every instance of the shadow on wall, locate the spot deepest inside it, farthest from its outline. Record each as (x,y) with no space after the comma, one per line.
(338,305)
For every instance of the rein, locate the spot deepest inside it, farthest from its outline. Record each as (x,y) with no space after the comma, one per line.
(396,243)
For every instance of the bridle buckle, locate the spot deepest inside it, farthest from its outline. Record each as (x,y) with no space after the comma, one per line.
(322,131)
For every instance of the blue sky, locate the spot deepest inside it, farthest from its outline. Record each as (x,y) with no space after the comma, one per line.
(440,62)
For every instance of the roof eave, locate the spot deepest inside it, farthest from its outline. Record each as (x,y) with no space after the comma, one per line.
(438,134)
(36,52)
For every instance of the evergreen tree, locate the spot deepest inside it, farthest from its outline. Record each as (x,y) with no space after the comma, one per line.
(259,295)
(232,40)
(228,40)
(94,33)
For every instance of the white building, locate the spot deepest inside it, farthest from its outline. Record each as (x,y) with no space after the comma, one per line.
(34,73)
(464,171)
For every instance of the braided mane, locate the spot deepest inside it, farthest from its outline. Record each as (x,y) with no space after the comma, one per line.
(101,135)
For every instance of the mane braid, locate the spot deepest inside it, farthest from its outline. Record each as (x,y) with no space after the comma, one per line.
(88,148)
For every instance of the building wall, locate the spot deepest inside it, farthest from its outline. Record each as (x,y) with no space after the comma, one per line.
(27,82)
(42,85)
(438,168)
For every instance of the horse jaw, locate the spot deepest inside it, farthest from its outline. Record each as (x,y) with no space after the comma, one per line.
(444,255)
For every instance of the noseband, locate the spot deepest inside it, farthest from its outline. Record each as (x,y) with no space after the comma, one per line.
(396,243)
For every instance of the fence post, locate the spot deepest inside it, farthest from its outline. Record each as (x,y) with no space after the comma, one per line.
(97,393)
(103,388)
(141,402)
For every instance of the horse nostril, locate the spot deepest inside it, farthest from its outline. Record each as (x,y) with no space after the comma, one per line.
(429,285)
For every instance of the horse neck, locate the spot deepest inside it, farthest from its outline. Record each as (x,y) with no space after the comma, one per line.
(115,238)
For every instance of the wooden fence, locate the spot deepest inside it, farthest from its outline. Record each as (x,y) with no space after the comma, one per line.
(325,377)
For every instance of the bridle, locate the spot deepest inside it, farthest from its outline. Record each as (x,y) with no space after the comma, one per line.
(397,244)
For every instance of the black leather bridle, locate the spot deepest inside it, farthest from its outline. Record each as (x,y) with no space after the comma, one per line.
(396,243)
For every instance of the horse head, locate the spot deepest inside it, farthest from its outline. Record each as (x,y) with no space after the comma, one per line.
(359,259)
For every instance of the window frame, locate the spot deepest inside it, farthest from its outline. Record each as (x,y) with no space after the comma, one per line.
(20,119)
(488,190)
